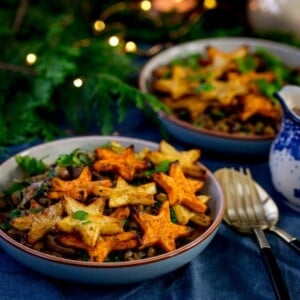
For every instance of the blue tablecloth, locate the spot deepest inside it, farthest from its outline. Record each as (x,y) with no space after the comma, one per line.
(231,266)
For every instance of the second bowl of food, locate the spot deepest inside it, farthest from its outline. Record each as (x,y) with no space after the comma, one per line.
(92,209)
(220,91)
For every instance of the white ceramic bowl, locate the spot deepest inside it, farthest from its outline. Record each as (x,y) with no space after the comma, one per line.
(208,139)
(114,272)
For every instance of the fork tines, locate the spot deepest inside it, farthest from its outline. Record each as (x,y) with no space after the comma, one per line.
(244,205)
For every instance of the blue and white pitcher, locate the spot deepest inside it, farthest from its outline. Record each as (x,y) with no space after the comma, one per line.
(284,158)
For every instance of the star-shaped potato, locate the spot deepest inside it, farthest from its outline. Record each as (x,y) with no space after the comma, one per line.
(219,60)
(121,213)
(24,222)
(159,229)
(126,194)
(88,221)
(192,103)
(260,105)
(178,85)
(225,92)
(104,245)
(121,241)
(184,215)
(79,188)
(228,92)
(187,159)
(39,223)
(125,163)
(180,190)
(71,206)
(91,227)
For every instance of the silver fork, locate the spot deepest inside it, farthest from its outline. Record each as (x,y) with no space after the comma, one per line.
(245,212)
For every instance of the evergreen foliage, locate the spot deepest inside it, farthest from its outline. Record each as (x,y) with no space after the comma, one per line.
(40,102)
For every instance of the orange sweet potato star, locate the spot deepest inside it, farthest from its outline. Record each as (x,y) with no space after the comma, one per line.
(121,213)
(259,104)
(124,164)
(79,188)
(106,244)
(159,229)
(180,190)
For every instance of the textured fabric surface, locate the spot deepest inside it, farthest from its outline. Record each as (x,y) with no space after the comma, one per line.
(231,267)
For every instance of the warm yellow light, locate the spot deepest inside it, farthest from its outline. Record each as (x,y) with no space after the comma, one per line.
(78,82)
(130,46)
(31,58)
(210,4)
(114,41)
(145,5)
(99,25)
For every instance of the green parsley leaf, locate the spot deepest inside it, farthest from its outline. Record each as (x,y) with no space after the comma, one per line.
(191,61)
(173,216)
(269,58)
(16,186)
(163,166)
(246,64)
(84,255)
(36,210)
(31,165)
(5,226)
(80,215)
(77,158)
(268,88)
(203,87)
(15,213)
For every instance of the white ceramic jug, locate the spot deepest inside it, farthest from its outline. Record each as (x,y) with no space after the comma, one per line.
(284,158)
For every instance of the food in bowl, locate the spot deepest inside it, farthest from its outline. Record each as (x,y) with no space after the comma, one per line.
(233,138)
(108,272)
(109,203)
(225,91)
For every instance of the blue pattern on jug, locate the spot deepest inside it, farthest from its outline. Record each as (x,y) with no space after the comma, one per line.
(284,158)
(288,134)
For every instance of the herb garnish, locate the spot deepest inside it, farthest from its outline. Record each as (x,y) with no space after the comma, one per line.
(163,166)
(31,165)
(77,158)
(81,215)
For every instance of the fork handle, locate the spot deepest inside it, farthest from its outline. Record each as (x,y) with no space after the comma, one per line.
(274,272)
(295,244)
(291,240)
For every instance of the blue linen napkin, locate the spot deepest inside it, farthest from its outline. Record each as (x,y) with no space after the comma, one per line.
(231,267)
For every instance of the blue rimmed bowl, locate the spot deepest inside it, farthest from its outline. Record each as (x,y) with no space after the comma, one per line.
(106,272)
(210,140)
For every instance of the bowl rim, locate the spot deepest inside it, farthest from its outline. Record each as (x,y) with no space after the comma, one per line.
(214,133)
(134,263)
(235,41)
